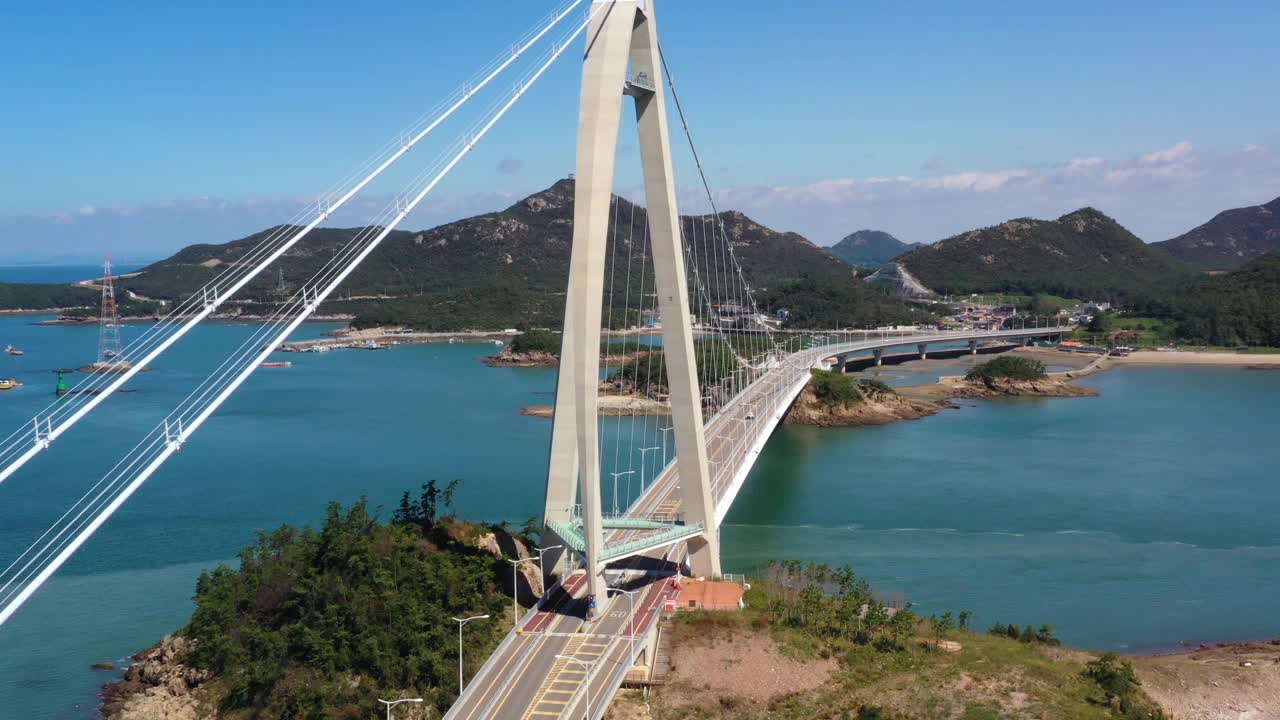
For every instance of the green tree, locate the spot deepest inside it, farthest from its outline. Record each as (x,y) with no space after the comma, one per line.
(1115,677)
(834,389)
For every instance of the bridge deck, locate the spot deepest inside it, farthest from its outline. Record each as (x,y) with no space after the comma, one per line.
(523,678)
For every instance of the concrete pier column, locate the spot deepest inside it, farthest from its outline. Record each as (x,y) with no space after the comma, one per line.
(879,356)
(973,347)
(924,350)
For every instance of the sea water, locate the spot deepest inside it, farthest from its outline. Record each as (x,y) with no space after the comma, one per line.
(1136,519)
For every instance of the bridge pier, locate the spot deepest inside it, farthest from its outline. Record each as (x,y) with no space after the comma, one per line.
(924,350)
(624,34)
(879,355)
(973,347)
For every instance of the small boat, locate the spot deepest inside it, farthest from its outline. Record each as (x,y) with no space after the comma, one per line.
(11,350)
(285,364)
(9,384)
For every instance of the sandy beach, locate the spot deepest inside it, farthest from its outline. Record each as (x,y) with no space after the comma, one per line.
(1193,357)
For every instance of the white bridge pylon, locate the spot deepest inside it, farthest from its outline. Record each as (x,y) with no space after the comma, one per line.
(622,34)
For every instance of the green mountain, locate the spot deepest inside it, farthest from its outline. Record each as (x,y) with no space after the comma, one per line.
(870,248)
(1241,307)
(1231,239)
(1083,254)
(44,296)
(509,269)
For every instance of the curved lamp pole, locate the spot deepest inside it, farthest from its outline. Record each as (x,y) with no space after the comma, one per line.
(461,622)
(515,586)
(392,703)
(542,569)
(617,475)
(644,451)
(586,666)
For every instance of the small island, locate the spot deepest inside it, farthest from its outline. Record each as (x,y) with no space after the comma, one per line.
(533,348)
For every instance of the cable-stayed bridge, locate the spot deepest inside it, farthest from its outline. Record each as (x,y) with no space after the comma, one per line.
(723,375)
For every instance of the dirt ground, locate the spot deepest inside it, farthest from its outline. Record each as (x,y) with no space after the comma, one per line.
(1211,684)
(751,666)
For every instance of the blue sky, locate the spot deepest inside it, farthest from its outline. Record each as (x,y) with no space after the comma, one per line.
(139,127)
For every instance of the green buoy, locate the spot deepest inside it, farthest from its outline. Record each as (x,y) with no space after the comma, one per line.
(62,383)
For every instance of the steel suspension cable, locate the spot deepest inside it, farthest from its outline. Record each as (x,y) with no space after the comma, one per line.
(43,441)
(172,443)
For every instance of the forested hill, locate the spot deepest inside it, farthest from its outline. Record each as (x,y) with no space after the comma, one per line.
(870,248)
(1083,254)
(1231,239)
(1241,307)
(509,268)
(45,296)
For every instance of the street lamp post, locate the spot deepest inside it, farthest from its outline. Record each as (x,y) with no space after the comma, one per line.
(665,430)
(542,569)
(642,466)
(515,586)
(461,622)
(587,666)
(617,475)
(392,703)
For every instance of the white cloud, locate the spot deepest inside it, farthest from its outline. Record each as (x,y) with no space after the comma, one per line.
(976,181)
(1078,165)
(1157,194)
(1170,155)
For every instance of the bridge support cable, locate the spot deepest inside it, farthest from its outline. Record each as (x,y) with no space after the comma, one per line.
(93,391)
(758,343)
(62,540)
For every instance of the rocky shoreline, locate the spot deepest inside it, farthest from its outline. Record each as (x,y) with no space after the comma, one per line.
(877,409)
(610,406)
(511,358)
(157,684)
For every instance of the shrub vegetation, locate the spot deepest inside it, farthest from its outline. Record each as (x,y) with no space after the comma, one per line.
(536,340)
(317,623)
(1006,367)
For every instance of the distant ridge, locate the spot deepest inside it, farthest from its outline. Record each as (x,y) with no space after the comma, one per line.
(870,248)
(1229,240)
(509,268)
(1083,254)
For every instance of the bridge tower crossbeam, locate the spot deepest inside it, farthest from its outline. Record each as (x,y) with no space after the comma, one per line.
(624,33)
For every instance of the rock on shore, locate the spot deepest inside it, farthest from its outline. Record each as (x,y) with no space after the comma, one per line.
(610,406)
(1003,387)
(532,358)
(157,685)
(875,409)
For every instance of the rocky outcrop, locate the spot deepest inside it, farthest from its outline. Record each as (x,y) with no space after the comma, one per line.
(876,408)
(532,358)
(1002,387)
(610,406)
(158,685)
(505,545)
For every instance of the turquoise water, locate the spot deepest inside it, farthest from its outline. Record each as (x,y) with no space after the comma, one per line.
(1137,519)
